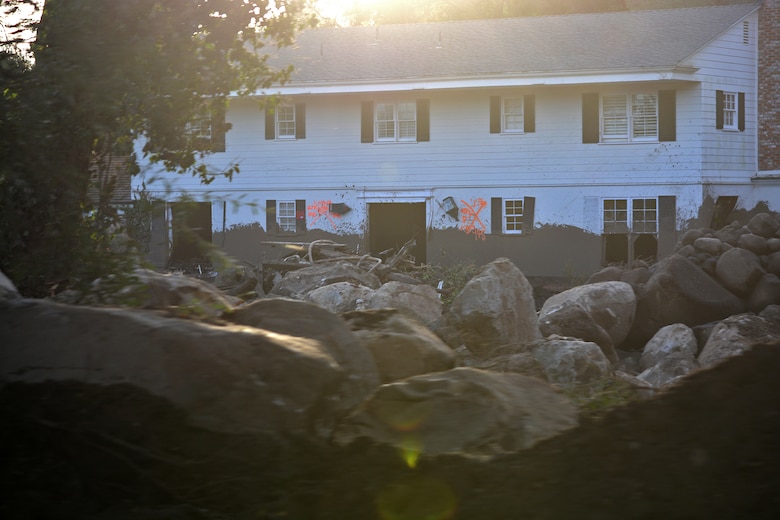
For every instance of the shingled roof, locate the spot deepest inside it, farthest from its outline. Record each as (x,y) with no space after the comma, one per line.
(568,44)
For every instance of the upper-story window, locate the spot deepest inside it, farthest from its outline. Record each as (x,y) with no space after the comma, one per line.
(512,114)
(286,122)
(729,110)
(629,117)
(397,122)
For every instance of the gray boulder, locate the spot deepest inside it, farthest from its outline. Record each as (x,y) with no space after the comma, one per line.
(296,284)
(672,341)
(737,334)
(464,410)
(570,319)
(329,331)
(739,270)
(8,290)
(418,301)
(764,224)
(668,371)
(494,308)
(401,347)
(568,361)
(225,378)
(765,293)
(340,297)
(679,292)
(611,305)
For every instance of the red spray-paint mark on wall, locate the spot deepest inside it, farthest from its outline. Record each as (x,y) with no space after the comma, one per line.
(319,209)
(469,219)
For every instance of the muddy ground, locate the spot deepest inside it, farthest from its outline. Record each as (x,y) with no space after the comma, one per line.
(709,449)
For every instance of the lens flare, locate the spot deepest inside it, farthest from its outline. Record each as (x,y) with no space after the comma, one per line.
(418,497)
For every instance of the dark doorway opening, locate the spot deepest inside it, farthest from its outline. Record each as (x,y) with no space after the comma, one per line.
(392,224)
(191,232)
(615,249)
(646,248)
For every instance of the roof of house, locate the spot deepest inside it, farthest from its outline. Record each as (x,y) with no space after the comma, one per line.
(567,44)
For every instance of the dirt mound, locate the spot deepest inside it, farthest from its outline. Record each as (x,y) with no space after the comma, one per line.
(708,448)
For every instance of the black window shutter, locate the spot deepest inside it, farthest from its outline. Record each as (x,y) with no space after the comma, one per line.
(300,216)
(218,128)
(719,109)
(667,225)
(496,215)
(741,111)
(423,120)
(590,118)
(300,121)
(367,122)
(529,204)
(667,115)
(270,217)
(529,113)
(270,124)
(495,114)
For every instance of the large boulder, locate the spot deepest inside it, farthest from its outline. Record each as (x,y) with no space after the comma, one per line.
(672,341)
(494,308)
(296,284)
(225,378)
(419,301)
(737,334)
(571,319)
(668,371)
(739,270)
(679,292)
(340,297)
(568,361)
(609,306)
(463,410)
(402,347)
(331,333)
(8,290)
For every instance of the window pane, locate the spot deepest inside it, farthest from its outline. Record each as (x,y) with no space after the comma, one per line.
(285,214)
(614,116)
(644,217)
(513,114)
(644,115)
(513,214)
(615,215)
(285,117)
(729,109)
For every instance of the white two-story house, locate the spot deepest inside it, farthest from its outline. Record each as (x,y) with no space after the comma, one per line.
(563,143)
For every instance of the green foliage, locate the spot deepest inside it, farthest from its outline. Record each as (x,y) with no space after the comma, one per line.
(599,397)
(454,278)
(107,73)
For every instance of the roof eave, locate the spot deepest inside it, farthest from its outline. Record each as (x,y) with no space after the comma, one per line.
(534,79)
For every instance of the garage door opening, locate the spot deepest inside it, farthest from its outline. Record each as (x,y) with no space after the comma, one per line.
(392,224)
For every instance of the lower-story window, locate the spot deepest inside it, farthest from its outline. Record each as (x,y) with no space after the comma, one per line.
(285,217)
(512,216)
(630,228)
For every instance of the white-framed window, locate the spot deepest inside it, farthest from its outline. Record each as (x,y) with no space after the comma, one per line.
(730,111)
(285,122)
(512,117)
(642,219)
(396,122)
(200,127)
(513,216)
(285,215)
(629,117)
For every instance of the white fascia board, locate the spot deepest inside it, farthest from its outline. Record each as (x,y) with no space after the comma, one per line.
(635,76)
